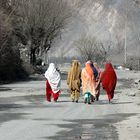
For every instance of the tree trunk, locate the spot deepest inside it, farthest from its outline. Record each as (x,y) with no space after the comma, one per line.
(32,57)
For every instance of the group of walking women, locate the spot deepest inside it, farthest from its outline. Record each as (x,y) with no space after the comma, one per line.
(89,78)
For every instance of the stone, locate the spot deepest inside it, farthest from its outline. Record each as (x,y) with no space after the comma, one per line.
(132,94)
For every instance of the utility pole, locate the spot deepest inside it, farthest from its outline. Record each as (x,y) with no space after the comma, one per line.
(139,51)
(125,43)
(125,46)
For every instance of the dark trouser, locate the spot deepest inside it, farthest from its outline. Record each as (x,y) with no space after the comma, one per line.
(75,95)
(87,97)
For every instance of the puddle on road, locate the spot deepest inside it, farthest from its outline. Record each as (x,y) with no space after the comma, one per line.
(5,89)
(4,107)
(90,129)
(5,117)
(33,101)
(29,98)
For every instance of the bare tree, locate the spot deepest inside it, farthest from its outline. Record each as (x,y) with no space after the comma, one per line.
(91,49)
(9,55)
(39,22)
(5,30)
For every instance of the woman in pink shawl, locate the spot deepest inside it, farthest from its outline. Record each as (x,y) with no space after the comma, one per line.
(52,82)
(97,79)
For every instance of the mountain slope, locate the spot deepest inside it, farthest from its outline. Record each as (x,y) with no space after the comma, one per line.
(109,20)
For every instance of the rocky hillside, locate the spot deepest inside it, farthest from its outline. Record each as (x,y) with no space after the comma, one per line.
(111,21)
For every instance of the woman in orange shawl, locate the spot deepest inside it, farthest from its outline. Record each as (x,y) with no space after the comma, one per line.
(74,80)
(109,80)
(88,82)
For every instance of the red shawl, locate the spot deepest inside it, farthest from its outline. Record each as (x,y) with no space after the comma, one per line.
(109,80)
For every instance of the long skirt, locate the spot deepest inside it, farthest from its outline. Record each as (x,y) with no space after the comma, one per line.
(97,92)
(75,94)
(50,93)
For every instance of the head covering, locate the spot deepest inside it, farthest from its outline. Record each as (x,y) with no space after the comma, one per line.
(109,80)
(53,77)
(95,72)
(88,81)
(97,67)
(89,69)
(75,69)
(74,75)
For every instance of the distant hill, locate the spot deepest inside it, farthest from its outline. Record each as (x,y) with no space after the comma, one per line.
(108,20)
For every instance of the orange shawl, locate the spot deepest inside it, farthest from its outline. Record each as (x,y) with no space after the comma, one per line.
(88,82)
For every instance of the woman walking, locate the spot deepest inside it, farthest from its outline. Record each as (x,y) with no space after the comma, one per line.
(95,73)
(52,83)
(88,82)
(73,80)
(97,80)
(109,80)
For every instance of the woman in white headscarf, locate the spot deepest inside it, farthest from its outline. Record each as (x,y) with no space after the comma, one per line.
(52,82)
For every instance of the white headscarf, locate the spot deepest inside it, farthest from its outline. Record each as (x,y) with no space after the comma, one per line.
(53,77)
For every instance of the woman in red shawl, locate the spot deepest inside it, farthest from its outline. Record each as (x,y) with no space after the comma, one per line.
(109,80)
